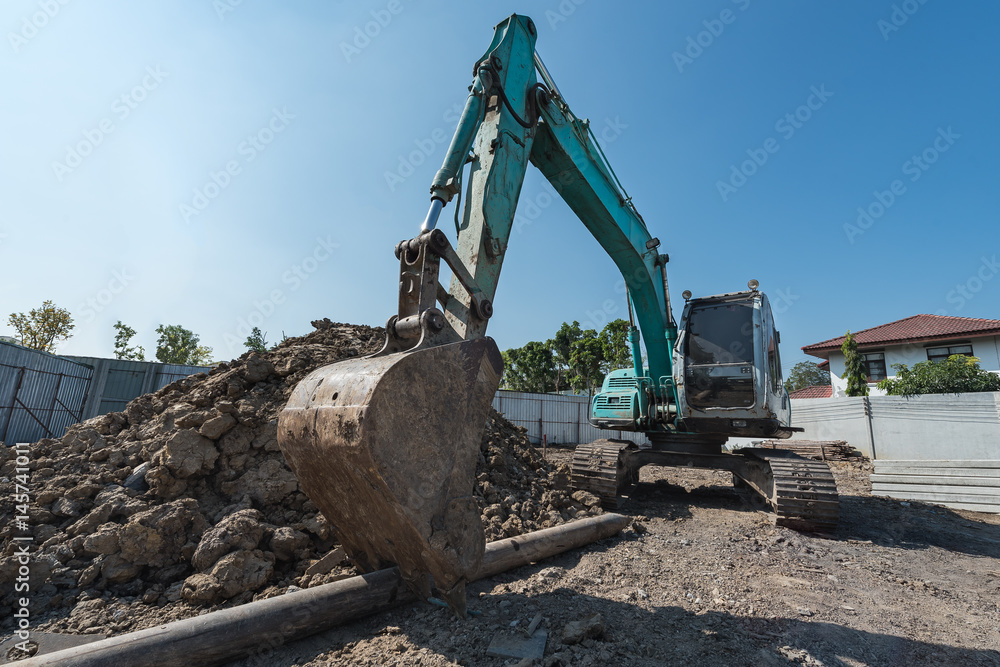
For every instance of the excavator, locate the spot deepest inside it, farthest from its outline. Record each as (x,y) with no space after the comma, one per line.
(386,445)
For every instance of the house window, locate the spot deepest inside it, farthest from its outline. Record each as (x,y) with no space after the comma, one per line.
(875,365)
(942,353)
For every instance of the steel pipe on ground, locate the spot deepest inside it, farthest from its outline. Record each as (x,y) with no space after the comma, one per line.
(257,628)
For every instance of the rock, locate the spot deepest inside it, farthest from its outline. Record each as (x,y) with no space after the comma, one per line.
(83,491)
(104,541)
(66,507)
(576,631)
(187,453)
(201,588)
(236,441)
(327,562)
(87,607)
(163,484)
(257,368)
(241,530)
(89,574)
(269,483)
(137,479)
(286,541)
(241,571)
(215,427)
(117,570)
(157,536)
(586,498)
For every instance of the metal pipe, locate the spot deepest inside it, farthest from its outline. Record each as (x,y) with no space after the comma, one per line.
(257,628)
(433,213)
(546,77)
(445,184)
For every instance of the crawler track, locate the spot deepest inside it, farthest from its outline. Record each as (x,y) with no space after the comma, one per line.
(597,468)
(804,495)
(800,491)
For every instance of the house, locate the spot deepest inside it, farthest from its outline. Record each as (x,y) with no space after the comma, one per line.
(814,391)
(910,341)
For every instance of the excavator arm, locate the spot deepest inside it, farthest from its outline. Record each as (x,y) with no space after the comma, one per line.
(386,446)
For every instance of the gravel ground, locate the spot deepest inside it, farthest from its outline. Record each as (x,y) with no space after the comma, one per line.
(702,578)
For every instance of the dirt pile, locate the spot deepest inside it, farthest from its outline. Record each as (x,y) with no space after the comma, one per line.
(184,500)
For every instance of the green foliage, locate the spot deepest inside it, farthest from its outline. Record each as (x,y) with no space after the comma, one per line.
(177,345)
(806,374)
(585,358)
(562,347)
(42,327)
(122,350)
(857,378)
(614,345)
(955,375)
(529,368)
(573,358)
(256,341)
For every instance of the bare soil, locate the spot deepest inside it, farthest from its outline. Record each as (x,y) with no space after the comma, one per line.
(703,578)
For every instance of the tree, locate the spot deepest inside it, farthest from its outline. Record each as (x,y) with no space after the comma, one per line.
(562,345)
(122,350)
(854,373)
(42,327)
(586,358)
(529,368)
(615,346)
(955,375)
(806,374)
(177,345)
(256,341)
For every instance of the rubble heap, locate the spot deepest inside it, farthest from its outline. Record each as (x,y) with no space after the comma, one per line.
(184,500)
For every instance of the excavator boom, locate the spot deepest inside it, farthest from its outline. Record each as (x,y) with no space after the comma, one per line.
(386,446)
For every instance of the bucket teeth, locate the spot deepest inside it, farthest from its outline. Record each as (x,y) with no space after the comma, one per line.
(386,447)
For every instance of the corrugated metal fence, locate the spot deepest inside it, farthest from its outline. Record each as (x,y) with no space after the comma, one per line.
(41,394)
(561,419)
(118,381)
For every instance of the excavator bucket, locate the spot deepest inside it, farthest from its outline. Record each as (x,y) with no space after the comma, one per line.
(386,447)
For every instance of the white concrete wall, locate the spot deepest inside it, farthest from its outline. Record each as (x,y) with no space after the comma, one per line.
(919,428)
(833,419)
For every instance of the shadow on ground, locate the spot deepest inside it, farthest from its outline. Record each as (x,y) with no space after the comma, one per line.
(882,521)
(634,636)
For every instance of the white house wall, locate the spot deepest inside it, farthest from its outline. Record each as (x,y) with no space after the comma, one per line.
(987,350)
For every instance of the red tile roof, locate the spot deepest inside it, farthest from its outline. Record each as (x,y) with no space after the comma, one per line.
(816,391)
(915,329)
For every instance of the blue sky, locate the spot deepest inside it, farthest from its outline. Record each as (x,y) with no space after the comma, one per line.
(233,159)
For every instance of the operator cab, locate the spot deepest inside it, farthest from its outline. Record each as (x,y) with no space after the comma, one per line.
(727,369)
